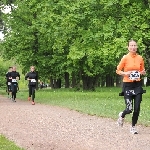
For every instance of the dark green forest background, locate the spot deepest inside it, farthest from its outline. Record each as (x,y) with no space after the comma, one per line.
(74,43)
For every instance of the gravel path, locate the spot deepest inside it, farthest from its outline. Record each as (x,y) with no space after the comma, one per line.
(42,127)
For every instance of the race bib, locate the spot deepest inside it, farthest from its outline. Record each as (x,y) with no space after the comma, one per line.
(134,75)
(14,80)
(33,80)
(9,83)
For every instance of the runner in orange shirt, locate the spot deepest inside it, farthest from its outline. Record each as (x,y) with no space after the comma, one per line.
(131,67)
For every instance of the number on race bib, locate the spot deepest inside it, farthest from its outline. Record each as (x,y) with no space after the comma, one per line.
(135,75)
(9,83)
(14,80)
(33,80)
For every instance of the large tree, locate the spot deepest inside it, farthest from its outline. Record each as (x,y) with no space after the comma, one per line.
(78,40)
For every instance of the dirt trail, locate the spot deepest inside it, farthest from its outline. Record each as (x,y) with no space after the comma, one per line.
(42,127)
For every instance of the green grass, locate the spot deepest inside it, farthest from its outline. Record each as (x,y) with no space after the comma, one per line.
(5,144)
(104,102)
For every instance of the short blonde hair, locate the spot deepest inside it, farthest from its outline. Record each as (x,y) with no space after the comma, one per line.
(32,67)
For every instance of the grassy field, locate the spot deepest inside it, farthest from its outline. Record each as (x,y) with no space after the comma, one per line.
(5,144)
(104,102)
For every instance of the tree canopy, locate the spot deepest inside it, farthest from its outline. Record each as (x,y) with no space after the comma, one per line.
(83,38)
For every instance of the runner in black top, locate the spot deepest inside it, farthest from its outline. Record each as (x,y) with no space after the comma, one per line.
(33,78)
(14,76)
(8,82)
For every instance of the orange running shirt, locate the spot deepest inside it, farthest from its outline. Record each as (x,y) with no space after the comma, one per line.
(130,62)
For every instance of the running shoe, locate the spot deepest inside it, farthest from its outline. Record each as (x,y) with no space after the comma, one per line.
(14,100)
(133,130)
(29,98)
(120,120)
(33,103)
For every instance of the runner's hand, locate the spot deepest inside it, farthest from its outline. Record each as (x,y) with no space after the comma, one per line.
(126,73)
(143,72)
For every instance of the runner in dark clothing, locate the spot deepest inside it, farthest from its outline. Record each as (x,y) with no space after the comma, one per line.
(33,78)
(8,82)
(14,76)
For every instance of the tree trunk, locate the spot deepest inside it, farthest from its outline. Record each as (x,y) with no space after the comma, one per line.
(148,82)
(96,81)
(51,83)
(66,80)
(76,77)
(55,83)
(102,81)
(119,81)
(109,81)
(88,83)
(58,83)
(73,80)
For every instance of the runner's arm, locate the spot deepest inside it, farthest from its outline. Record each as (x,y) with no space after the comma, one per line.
(18,76)
(120,66)
(26,76)
(142,68)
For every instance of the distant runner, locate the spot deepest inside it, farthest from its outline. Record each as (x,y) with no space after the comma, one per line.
(33,79)
(14,76)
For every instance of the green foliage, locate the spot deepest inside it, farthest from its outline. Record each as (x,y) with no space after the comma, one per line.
(4,68)
(74,36)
